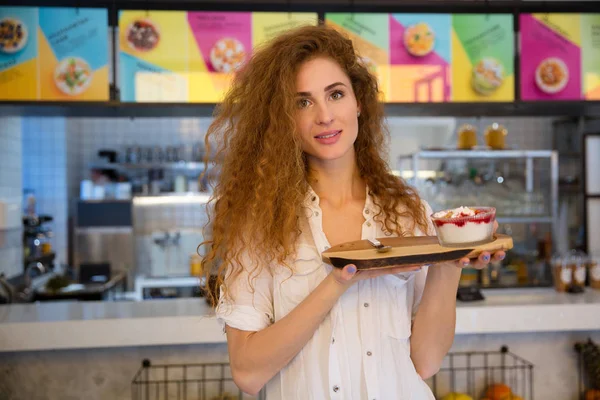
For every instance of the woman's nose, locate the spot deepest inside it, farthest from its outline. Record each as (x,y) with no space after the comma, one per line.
(324,115)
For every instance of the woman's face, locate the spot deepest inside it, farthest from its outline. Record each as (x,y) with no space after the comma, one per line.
(326,110)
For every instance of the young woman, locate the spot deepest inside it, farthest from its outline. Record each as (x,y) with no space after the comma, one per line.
(303,142)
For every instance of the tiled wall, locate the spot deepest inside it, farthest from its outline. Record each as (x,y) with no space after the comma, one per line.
(11,250)
(45,173)
(86,136)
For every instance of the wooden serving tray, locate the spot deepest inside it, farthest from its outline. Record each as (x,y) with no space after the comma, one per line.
(414,250)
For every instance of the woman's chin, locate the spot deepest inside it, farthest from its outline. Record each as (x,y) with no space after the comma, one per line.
(329,154)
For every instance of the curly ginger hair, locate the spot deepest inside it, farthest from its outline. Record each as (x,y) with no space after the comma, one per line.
(263,172)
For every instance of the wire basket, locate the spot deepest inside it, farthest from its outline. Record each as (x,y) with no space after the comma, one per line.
(208,381)
(463,372)
(588,357)
(472,373)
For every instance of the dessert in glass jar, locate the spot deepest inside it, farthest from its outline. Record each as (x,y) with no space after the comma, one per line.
(464,226)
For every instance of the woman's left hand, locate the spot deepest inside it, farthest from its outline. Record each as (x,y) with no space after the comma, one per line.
(483,259)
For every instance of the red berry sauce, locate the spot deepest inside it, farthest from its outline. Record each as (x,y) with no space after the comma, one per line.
(464,218)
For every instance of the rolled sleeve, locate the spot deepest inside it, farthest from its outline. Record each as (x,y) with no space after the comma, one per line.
(250,304)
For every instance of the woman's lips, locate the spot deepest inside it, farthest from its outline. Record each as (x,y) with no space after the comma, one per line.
(330,137)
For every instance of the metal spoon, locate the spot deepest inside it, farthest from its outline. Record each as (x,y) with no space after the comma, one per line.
(380,247)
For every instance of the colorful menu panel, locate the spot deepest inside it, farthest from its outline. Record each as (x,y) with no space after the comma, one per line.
(550,56)
(223,43)
(18,53)
(420,57)
(590,45)
(154,56)
(73,54)
(482,57)
(53,54)
(370,34)
(169,56)
(267,25)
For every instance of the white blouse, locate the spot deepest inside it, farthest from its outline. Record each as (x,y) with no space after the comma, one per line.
(361,351)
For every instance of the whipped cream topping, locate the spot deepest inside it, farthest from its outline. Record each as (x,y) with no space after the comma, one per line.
(455,213)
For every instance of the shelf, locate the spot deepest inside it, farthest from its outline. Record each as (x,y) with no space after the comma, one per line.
(486,154)
(524,220)
(175,166)
(134,110)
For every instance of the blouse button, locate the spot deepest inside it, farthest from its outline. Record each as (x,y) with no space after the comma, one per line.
(388,233)
(367,211)
(369,353)
(314,198)
(368,224)
(336,388)
(332,340)
(317,213)
(366,304)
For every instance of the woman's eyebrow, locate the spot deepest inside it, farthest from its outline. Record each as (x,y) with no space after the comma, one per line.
(328,87)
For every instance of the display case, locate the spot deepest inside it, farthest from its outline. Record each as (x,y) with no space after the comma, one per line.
(523,187)
(591,184)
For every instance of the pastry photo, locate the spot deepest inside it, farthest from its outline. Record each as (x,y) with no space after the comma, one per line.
(13,35)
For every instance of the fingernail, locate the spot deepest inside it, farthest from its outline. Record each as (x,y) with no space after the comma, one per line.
(486,258)
(352,269)
(465,263)
(501,257)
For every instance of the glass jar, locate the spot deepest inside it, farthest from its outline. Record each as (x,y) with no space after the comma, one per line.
(577,261)
(495,136)
(195,265)
(594,271)
(561,274)
(467,137)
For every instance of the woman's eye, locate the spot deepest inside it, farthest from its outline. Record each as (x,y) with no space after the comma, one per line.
(337,95)
(303,103)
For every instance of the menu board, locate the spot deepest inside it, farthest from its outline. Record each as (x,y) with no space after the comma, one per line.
(435,57)
(420,57)
(590,60)
(482,58)
(154,56)
(53,54)
(560,56)
(370,34)
(73,54)
(174,56)
(18,53)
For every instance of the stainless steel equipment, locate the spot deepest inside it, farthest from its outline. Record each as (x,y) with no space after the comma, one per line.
(103,233)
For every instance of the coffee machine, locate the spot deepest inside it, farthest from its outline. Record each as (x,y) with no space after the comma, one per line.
(37,244)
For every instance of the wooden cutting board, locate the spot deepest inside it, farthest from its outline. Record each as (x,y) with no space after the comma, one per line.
(416,250)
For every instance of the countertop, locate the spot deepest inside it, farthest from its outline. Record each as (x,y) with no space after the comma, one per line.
(72,325)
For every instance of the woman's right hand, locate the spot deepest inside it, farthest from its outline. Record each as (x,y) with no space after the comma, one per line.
(349,275)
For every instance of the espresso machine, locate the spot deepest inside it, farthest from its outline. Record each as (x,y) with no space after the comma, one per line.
(37,244)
